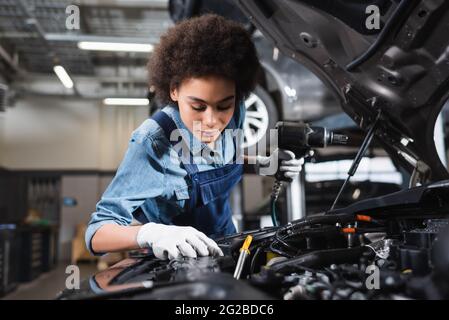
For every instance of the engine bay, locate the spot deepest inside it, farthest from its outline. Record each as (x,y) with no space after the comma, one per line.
(397,250)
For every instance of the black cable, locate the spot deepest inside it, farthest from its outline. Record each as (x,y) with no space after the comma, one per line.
(304,233)
(298,228)
(326,229)
(273,212)
(253,260)
(380,39)
(332,273)
(342,218)
(280,239)
(297,251)
(280,252)
(280,244)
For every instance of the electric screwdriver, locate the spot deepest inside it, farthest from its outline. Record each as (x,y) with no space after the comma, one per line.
(299,138)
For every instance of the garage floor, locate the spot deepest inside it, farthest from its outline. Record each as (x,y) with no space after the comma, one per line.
(49,284)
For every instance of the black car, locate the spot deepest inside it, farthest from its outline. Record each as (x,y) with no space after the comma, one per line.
(393,83)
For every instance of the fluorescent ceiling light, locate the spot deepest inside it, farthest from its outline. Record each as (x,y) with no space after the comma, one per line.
(115,46)
(63,76)
(126,102)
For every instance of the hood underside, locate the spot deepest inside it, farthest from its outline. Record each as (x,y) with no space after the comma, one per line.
(399,70)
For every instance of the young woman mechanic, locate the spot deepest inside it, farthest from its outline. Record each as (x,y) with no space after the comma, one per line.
(202,69)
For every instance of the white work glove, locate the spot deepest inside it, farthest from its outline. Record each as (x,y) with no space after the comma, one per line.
(290,167)
(171,242)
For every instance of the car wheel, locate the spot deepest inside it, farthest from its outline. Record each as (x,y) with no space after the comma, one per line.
(261,116)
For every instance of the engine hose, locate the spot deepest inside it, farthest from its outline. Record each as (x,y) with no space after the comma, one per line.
(319,259)
(306,232)
(342,218)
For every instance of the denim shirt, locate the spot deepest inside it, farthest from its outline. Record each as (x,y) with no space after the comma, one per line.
(148,179)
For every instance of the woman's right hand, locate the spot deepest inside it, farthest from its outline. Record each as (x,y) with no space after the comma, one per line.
(171,242)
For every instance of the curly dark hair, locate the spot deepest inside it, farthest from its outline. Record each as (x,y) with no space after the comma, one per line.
(204,46)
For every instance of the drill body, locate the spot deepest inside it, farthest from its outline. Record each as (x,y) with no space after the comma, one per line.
(300,138)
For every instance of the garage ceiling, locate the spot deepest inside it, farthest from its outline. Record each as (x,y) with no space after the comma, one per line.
(33,37)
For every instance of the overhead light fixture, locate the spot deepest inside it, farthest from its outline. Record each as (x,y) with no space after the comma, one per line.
(115,46)
(63,76)
(126,102)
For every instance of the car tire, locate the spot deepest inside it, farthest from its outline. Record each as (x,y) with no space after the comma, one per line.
(261,115)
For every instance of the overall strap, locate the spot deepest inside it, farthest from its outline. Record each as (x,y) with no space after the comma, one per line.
(166,123)
(233,126)
(168,126)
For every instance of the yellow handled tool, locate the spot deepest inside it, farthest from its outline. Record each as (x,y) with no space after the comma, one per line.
(244,254)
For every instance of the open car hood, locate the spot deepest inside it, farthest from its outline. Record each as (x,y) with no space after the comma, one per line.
(400,70)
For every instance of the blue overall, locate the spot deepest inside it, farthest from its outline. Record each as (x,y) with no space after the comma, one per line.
(208,208)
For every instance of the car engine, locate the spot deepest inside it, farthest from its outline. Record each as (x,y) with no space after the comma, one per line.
(391,247)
